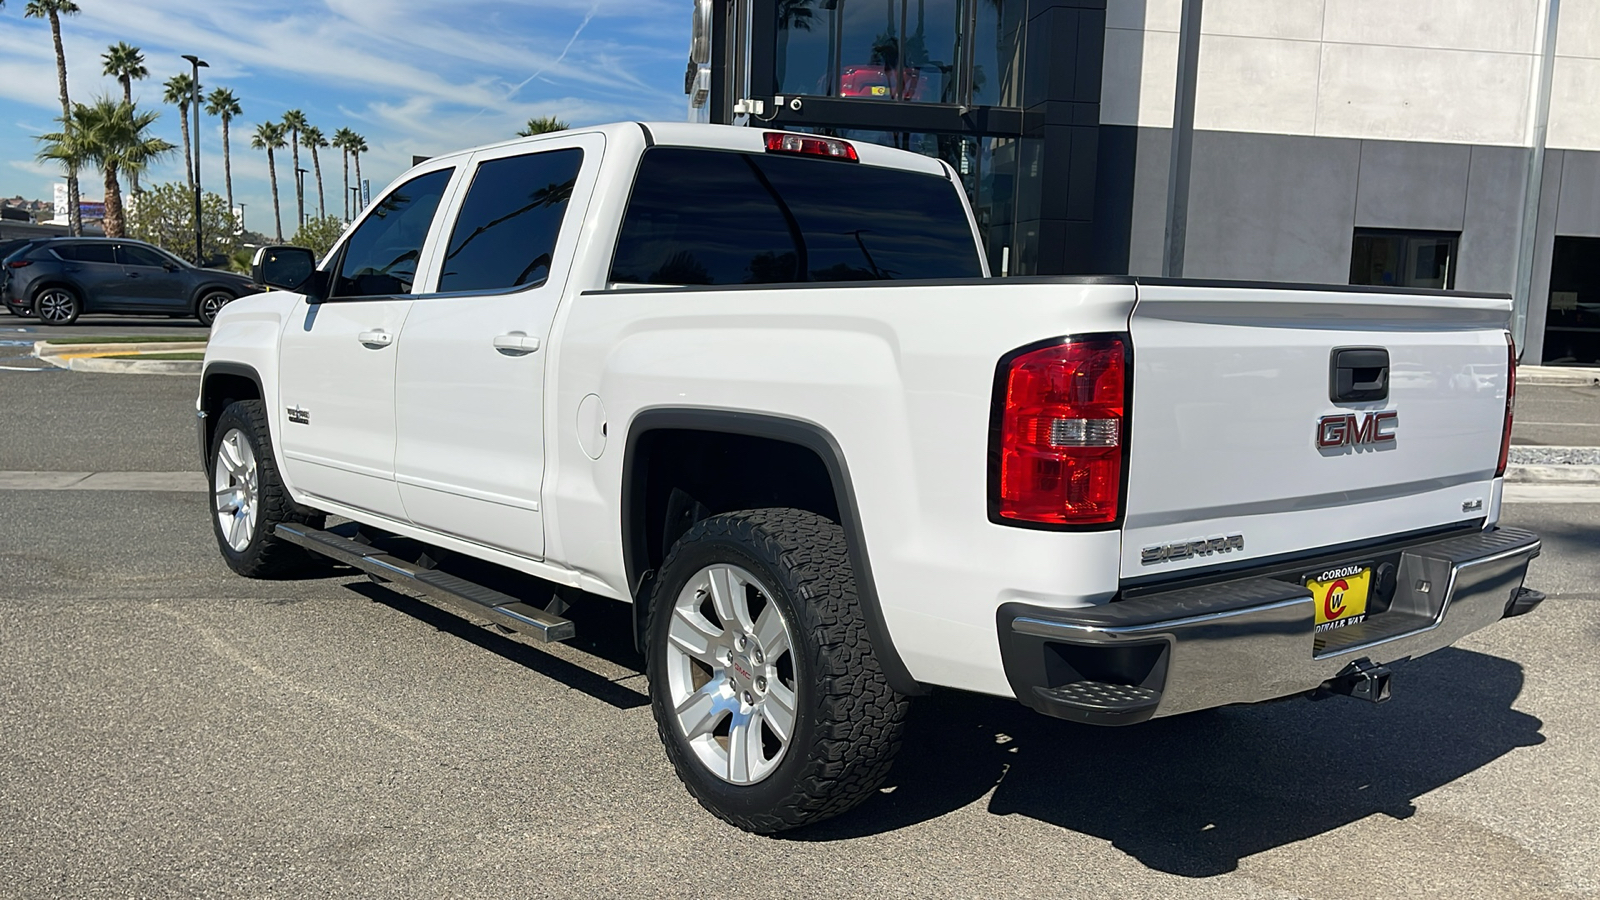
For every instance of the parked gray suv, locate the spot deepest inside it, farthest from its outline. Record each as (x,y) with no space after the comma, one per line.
(59,279)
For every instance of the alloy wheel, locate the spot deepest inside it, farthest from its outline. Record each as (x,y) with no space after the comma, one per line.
(211,304)
(236,489)
(731,674)
(55,305)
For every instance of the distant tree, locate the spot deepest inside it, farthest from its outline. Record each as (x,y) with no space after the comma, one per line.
(543,125)
(164,215)
(54,10)
(342,139)
(319,234)
(358,146)
(125,63)
(113,136)
(295,121)
(221,102)
(312,139)
(268,136)
(179,91)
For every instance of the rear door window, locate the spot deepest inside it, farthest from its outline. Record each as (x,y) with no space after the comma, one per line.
(506,233)
(380,258)
(717,217)
(88,253)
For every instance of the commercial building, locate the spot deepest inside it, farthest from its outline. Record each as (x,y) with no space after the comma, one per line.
(1429,143)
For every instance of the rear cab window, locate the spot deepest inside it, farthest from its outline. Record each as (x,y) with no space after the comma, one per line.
(716,217)
(87,253)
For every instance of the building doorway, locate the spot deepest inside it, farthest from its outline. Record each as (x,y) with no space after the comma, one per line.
(1572,323)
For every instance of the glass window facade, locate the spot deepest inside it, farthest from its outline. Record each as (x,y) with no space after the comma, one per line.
(1415,259)
(917,51)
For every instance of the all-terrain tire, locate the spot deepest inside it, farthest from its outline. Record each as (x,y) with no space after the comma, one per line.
(848,720)
(264,555)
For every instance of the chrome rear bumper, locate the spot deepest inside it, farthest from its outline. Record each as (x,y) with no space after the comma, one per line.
(1249,639)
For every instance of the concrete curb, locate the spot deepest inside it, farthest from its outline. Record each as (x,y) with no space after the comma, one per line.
(43,349)
(1572,376)
(134,366)
(1553,474)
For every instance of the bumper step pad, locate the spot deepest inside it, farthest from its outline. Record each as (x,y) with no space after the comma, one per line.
(501,609)
(1098,703)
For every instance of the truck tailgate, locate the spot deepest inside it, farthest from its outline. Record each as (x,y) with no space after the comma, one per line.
(1230,388)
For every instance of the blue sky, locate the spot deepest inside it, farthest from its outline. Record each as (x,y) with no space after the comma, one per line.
(412,76)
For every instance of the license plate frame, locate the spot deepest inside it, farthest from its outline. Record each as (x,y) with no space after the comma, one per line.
(1341,594)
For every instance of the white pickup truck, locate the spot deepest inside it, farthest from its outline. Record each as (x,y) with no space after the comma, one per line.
(761,386)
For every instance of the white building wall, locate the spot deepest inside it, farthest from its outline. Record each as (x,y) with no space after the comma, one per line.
(1440,71)
(1575,87)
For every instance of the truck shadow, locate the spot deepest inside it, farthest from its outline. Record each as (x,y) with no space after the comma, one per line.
(1194,794)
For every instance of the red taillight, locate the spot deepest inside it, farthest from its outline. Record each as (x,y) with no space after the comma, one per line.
(19,263)
(1061,433)
(1511,403)
(810,145)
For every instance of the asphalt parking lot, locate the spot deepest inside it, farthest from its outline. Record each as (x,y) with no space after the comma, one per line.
(168,729)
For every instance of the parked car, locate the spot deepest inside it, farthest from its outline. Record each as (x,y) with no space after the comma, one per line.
(6,249)
(59,279)
(759,385)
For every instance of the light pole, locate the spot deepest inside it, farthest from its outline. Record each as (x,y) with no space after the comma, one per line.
(355,205)
(197,64)
(300,185)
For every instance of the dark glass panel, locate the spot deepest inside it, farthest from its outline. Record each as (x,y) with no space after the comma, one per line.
(507,230)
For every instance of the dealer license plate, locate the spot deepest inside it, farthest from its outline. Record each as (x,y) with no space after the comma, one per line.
(1341,595)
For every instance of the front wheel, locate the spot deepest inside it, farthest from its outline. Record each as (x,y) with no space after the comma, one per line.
(211,303)
(248,499)
(766,692)
(57,306)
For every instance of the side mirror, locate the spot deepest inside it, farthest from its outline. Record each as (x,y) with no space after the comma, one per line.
(286,268)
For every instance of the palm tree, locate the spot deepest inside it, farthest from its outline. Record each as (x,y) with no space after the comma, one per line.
(358,146)
(341,139)
(543,125)
(268,136)
(311,138)
(125,63)
(295,121)
(222,102)
(54,10)
(180,90)
(112,135)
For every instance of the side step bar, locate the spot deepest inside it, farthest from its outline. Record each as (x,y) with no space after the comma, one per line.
(502,609)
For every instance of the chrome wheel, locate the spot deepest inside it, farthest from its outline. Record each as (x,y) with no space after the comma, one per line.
(212,303)
(56,306)
(730,674)
(236,489)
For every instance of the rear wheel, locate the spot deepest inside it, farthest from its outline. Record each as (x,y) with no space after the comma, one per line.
(211,303)
(766,693)
(57,306)
(249,499)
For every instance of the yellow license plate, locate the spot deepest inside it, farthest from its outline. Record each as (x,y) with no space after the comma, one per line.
(1341,595)
(879,90)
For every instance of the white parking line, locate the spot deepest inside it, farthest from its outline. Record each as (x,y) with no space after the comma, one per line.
(103,481)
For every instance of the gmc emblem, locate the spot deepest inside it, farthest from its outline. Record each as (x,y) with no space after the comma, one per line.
(1349,430)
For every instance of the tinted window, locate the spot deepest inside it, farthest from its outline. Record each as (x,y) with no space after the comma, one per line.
(9,247)
(507,230)
(98,253)
(712,217)
(134,255)
(381,256)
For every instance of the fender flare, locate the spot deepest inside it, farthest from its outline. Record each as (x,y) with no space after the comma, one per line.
(805,434)
(202,427)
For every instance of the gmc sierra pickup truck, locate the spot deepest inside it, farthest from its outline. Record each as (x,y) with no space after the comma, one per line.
(760,386)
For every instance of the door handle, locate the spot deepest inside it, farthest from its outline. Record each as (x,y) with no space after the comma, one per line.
(516,343)
(376,338)
(133,274)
